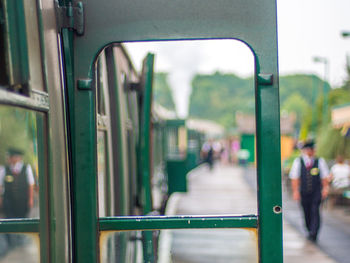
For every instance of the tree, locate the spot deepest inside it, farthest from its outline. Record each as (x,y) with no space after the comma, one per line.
(297,104)
(332,142)
(162,92)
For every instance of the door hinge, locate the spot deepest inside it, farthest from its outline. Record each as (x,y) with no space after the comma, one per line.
(71,17)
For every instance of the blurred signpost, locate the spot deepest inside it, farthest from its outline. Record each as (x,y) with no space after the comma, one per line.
(325,87)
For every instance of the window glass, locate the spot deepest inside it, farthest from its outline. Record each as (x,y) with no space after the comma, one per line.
(20,47)
(211,84)
(19,248)
(215,103)
(181,245)
(19,163)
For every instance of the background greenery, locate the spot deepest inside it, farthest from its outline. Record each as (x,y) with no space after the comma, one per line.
(162,92)
(17,130)
(218,96)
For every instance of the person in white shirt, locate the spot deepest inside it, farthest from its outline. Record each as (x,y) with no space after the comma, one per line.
(340,174)
(16,186)
(310,179)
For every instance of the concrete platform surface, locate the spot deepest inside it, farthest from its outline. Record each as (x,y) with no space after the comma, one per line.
(224,190)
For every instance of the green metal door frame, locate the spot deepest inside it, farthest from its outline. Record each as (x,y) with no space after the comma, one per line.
(253,22)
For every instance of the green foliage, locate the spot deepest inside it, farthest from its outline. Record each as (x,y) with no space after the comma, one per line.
(339,96)
(307,86)
(162,92)
(18,130)
(218,96)
(298,104)
(301,94)
(331,142)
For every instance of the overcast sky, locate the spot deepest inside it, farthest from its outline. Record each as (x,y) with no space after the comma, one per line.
(306,28)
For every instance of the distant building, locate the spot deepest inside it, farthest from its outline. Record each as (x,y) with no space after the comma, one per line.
(246,128)
(210,128)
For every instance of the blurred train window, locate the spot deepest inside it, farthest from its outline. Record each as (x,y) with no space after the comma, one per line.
(20,47)
(19,164)
(180,245)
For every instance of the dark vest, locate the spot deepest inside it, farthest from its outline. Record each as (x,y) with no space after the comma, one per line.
(15,198)
(310,180)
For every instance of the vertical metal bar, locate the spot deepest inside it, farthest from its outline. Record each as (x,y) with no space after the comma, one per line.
(44,188)
(17,42)
(82,133)
(146,133)
(145,150)
(269,169)
(84,173)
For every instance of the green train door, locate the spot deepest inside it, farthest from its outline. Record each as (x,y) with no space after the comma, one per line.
(116,21)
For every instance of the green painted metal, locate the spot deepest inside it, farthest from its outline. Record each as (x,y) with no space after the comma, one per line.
(248,143)
(45,199)
(176,222)
(71,17)
(177,172)
(83,147)
(145,133)
(191,159)
(145,152)
(175,123)
(17,42)
(251,21)
(20,225)
(269,171)
(84,176)
(39,103)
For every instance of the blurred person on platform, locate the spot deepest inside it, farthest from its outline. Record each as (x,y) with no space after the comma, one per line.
(207,153)
(340,174)
(310,178)
(16,186)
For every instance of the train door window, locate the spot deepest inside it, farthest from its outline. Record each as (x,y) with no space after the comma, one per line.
(20,42)
(19,172)
(220,106)
(21,176)
(192,20)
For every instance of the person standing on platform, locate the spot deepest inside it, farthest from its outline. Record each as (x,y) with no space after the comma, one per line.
(340,174)
(309,176)
(17,186)
(207,153)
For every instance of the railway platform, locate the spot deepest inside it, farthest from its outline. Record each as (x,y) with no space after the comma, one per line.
(224,190)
